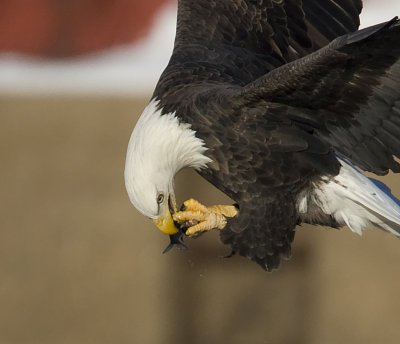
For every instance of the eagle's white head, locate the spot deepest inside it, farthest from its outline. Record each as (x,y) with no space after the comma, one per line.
(160,146)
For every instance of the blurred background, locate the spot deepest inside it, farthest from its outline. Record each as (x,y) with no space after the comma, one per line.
(78,264)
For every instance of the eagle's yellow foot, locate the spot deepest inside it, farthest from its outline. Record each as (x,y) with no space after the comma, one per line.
(201,218)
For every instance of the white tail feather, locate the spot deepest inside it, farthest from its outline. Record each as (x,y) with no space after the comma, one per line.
(358,202)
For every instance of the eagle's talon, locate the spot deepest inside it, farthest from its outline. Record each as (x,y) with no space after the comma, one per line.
(198,218)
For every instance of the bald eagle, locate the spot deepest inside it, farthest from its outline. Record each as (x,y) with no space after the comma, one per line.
(282,105)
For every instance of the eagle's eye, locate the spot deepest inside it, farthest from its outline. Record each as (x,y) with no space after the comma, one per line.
(160,198)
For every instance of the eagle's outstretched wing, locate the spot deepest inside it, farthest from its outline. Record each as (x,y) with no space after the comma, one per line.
(276,31)
(347,93)
(234,42)
(281,29)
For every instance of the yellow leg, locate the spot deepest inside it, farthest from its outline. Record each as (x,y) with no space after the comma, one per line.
(204,218)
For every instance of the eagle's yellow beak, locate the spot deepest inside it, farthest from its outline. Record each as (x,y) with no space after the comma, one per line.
(165,223)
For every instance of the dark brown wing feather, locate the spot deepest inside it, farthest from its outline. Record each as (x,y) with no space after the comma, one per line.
(234,42)
(277,31)
(349,92)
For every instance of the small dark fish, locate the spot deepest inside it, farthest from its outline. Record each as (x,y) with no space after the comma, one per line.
(176,240)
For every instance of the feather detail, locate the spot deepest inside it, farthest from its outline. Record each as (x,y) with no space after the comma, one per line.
(357,201)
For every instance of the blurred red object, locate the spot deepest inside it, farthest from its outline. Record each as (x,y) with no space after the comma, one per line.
(65,28)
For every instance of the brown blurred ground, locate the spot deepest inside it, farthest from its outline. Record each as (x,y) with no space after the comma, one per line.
(79,265)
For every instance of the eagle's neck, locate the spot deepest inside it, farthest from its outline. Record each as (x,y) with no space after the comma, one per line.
(161,145)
